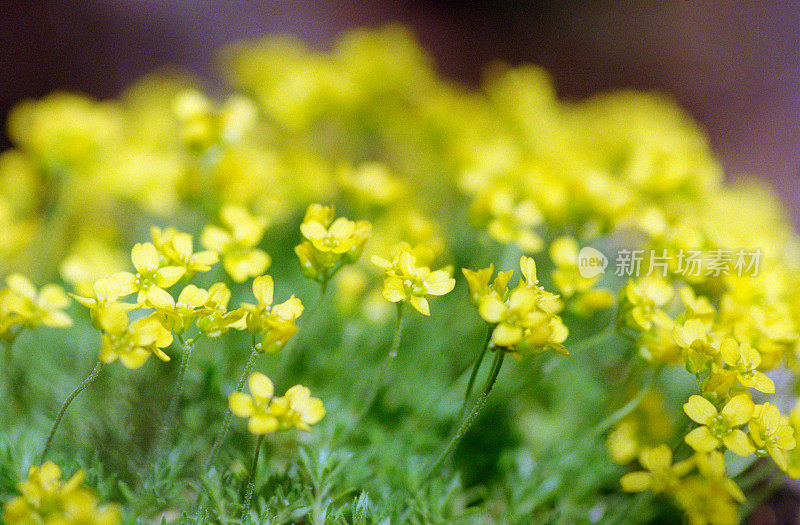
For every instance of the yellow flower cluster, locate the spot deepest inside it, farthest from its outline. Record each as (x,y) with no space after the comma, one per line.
(405,282)
(707,496)
(268,413)
(21,305)
(329,244)
(160,265)
(44,498)
(525,319)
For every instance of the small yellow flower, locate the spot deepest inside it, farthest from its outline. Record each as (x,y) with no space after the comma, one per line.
(720,428)
(216,319)
(274,324)
(237,242)
(407,282)
(131,343)
(329,243)
(479,287)
(661,474)
(177,316)
(772,434)
(525,320)
(696,307)
(149,272)
(105,293)
(642,299)
(34,308)
(745,360)
(178,248)
(267,413)
(45,499)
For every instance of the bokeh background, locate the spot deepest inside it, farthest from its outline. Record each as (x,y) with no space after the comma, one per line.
(734,65)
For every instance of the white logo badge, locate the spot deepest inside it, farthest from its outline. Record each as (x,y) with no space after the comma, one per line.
(591,262)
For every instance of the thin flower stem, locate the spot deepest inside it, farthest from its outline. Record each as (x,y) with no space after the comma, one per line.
(251,482)
(475,369)
(378,379)
(629,407)
(64,406)
(473,415)
(226,423)
(172,410)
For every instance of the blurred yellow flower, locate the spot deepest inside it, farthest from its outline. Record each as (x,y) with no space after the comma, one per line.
(237,242)
(274,324)
(131,343)
(267,413)
(45,499)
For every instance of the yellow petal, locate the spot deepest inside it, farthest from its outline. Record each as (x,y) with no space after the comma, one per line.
(506,335)
(739,409)
(135,358)
(313,230)
(393,290)
(263,289)
(160,299)
(699,409)
(260,386)
(738,443)
(169,275)
(491,309)
(420,304)
(262,424)
(192,295)
(144,257)
(439,283)
(215,238)
(241,404)
(635,481)
(702,440)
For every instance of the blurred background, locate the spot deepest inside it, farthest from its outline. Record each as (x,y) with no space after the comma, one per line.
(734,65)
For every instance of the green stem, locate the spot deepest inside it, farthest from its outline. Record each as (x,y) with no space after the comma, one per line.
(226,423)
(378,379)
(473,415)
(629,407)
(475,369)
(251,484)
(63,410)
(172,410)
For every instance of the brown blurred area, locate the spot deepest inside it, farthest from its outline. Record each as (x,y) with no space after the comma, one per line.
(734,65)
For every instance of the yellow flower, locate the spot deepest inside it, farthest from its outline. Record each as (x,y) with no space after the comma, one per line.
(744,359)
(710,497)
(131,343)
(511,219)
(149,272)
(33,308)
(177,316)
(478,281)
(772,434)
(105,293)
(45,499)
(643,297)
(407,282)
(525,322)
(237,242)
(694,338)
(329,242)
(178,248)
(661,474)
(216,319)
(696,307)
(275,324)
(720,428)
(268,413)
